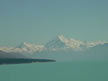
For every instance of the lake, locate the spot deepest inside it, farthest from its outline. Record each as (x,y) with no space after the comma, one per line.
(58,71)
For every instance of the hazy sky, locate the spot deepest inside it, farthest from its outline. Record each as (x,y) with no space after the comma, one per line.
(38,21)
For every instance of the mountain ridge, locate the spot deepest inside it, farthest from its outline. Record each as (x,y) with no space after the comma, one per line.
(59,43)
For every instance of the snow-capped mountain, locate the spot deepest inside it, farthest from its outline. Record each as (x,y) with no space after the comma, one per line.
(69,43)
(62,48)
(30,48)
(63,43)
(96,52)
(66,49)
(24,48)
(59,43)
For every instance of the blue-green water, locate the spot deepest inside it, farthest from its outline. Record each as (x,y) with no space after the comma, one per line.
(58,71)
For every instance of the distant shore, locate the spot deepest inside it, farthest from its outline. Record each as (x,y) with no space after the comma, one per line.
(22,60)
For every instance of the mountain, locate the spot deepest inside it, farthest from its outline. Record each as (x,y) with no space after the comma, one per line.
(17,58)
(57,43)
(96,53)
(24,48)
(30,48)
(11,55)
(62,48)
(66,49)
(61,42)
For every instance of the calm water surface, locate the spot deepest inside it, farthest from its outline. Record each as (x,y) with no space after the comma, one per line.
(58,71)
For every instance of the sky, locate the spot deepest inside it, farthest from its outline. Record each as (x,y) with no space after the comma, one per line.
(38,21)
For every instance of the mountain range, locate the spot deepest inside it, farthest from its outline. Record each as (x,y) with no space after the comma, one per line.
(62,48)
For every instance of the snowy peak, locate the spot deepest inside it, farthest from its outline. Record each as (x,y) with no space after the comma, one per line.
(27,45)
(72,43)
(30,47)
(62,38)
(59,43)
(62,43)
(24,48)
(56,43)
(23,45)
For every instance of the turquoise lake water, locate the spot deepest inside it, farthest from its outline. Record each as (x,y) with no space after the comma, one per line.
(58,71)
